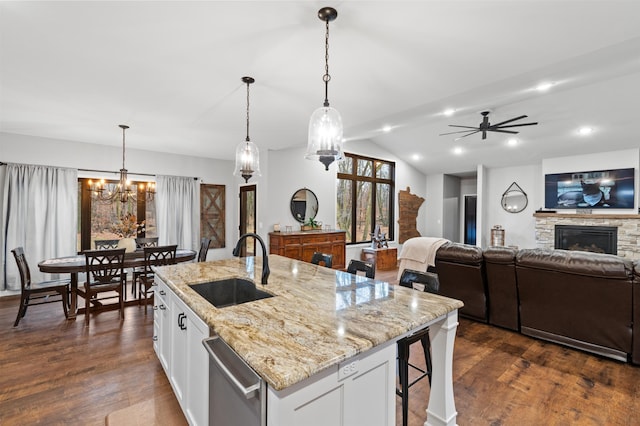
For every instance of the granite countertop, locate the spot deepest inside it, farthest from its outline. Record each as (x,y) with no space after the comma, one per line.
(318,317)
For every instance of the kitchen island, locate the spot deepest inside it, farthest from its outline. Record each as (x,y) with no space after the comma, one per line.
(312,343)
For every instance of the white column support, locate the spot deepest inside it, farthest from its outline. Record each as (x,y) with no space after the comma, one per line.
(442,408)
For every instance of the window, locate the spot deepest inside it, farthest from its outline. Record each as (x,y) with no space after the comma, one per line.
(365,197)
(97,219)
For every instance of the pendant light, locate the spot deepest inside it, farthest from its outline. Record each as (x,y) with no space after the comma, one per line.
(124,186)
(247,155)
(125,190)
(325,126)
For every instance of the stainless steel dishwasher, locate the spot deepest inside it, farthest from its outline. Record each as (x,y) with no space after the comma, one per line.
(237,395)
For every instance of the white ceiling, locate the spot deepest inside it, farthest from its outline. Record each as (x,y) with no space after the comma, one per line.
(172,70)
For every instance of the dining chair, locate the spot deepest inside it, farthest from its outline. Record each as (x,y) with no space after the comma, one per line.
(146,242)
(204,249)
(37,293)
(141,243)
(105,274)
(318,257)
(425,281)
(355,266)
(154,256)
(106,244)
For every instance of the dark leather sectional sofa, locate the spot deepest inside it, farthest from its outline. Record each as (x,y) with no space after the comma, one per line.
(584,300)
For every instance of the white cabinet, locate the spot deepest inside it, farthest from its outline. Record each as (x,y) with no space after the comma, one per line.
(161,325)
(360,391)
(182,355)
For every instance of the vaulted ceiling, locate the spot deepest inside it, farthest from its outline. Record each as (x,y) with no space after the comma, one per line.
(172,71)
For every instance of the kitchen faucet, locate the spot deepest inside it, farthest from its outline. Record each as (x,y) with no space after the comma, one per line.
(265,258)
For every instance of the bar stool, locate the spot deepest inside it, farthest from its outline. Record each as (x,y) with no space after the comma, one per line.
(318,257)
(428,282)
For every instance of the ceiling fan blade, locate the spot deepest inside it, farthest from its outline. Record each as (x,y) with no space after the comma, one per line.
(509,121)
(461,131)
(503,131)
(464,127)
(464,136)
(516,125)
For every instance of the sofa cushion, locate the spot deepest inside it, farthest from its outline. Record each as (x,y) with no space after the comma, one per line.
(460,253)
(579,299)
(576,263)
(500,264)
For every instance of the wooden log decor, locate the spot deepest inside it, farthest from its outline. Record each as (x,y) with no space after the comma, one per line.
(408,205)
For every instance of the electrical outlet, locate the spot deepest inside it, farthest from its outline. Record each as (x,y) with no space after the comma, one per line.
(347,369)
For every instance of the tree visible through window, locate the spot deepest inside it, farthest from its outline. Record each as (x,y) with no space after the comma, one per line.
(100,220)
(365,197)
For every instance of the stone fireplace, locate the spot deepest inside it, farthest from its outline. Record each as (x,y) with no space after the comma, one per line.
(597,239)
(627,228)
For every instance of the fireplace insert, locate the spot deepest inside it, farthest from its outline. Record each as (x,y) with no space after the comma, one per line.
(598,239)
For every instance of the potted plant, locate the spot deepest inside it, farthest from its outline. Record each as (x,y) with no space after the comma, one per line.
(310,225)
(127,229)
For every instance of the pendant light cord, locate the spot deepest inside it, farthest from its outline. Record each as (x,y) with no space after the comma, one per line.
(247,139)
(326,76)
(123,150)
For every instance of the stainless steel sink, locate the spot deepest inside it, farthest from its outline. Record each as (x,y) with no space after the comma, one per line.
(229,292)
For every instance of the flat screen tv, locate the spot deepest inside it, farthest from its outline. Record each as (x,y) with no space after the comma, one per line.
(597,189)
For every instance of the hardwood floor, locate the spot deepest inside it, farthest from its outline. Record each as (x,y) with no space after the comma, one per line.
(54,371)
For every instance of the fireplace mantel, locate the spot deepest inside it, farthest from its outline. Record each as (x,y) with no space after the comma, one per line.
(628,229)
(587,216)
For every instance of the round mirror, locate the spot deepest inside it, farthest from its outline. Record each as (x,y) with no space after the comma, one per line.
(304,205)
(514,199)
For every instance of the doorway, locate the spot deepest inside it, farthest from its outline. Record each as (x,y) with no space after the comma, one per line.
(248,218)
(470,206)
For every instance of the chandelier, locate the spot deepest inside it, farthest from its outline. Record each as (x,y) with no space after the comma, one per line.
(124,190)
(247,155)
(325,126)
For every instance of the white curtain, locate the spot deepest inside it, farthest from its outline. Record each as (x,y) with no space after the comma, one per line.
(40,214)
(178,211)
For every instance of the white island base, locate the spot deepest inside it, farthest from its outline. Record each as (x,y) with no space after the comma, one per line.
(362,390)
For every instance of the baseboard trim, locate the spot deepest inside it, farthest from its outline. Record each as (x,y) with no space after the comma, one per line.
(576,344)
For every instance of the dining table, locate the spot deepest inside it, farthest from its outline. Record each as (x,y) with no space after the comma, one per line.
(75,264)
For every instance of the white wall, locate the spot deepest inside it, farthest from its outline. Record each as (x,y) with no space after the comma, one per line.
(628,158)
(53,152)
(290,171)
(519,227)
(434,206)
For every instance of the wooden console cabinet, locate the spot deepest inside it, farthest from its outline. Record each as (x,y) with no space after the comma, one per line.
(301,245)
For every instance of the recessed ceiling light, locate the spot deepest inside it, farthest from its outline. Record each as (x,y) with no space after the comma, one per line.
(585,130)
(416,156)
(512,142)
(449,112)
(386,129)
(543,87)
(457,150)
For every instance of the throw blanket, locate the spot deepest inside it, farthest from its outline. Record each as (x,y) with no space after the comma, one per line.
(419,253)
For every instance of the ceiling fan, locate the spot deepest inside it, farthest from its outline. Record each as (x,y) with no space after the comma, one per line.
(485,126)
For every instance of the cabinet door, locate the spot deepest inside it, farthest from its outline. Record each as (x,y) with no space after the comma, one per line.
(162,325)
(197,406)
(360,391)
(179,350)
